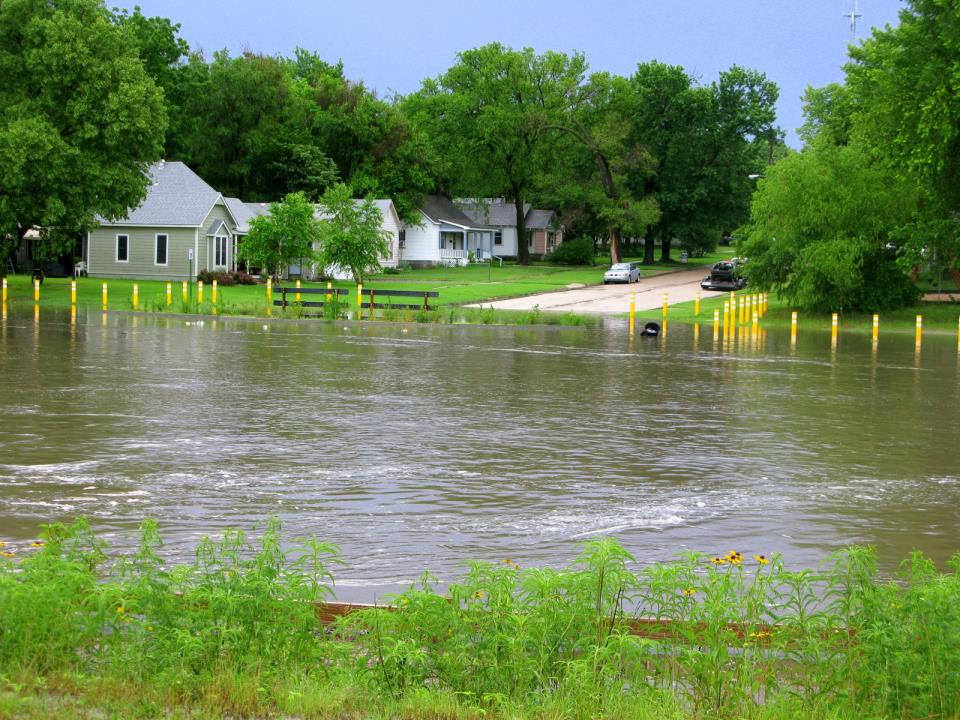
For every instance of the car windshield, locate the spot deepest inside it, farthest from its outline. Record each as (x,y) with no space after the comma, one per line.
(620,266)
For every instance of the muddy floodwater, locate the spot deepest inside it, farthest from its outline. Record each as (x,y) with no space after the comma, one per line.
(420,447)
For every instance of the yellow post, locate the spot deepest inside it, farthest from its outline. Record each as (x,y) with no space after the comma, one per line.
(359,300)
(664,304)
(876,326)
(136,296)
(297,296)
(766,302)
(633,311)
(743,308)
(183,291)
(36,290)
(834,325)
(793,319)
(919,328)
(213,293)
(269,291)
(716,320)
(103,295)
(73,292)
(329,288)
(4,291)
(756,318)
(726,315)
(199,292)
(696,305)
(169,293)
(793,328)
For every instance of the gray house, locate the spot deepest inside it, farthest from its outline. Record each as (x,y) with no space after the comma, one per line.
(182,226)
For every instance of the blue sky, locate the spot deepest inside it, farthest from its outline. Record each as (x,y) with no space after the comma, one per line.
(392,46)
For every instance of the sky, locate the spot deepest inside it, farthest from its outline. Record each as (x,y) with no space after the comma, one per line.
(392,46)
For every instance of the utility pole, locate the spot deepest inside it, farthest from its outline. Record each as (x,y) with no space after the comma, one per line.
(854,18)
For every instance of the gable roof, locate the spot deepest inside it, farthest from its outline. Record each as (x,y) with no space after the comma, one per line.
(176,195)
(539,219)
(440,209)
(384,205)
(243,212)
(497,212)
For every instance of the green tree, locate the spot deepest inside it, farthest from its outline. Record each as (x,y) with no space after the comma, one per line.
(487,117)
(80,120)
(820,227)
(351,233)
(288,234)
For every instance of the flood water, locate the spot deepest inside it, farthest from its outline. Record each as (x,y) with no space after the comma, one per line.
(421,447)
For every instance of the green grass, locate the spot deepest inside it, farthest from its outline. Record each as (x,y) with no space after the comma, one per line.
(234,632)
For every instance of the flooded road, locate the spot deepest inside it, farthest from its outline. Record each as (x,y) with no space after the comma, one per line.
(421,447)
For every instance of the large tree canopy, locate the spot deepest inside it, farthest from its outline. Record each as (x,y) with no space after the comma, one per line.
(80,119)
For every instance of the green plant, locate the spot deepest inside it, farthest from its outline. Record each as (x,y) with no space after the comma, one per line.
(578,251)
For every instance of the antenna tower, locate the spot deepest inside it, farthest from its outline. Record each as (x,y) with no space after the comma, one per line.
(854,17)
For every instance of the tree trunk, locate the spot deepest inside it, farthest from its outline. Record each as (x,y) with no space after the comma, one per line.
(648,248)
(523,251)
(614,246)
(665,249)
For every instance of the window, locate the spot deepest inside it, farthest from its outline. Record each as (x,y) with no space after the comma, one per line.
(402,239)
(551,241)
(498,237)
(530,238)
(449,240)
(160,254)
(123,248)
(220,251)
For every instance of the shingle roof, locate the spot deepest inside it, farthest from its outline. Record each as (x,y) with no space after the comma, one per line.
(539,219)
(245,212)
(439,208)
(176,196)
(383,205)
(494,213)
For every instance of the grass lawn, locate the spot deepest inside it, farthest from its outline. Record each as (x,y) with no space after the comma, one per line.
(456,285)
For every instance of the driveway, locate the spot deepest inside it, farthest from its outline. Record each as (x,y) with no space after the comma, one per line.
(612,299)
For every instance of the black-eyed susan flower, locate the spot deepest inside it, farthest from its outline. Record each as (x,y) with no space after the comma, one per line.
(479,594)
(120,610)
(719,561)
(2,543)
(37,544)
(510,563)
(687,592)
(762,559)
(7,554)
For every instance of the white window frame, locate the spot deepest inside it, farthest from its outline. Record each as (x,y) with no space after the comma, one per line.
(116,248)
(498,237)
(166,250)
(216,250)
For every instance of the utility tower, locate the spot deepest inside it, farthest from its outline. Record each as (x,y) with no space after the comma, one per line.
(854,17)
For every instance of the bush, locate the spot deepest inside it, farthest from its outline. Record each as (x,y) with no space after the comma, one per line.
(226,278)
(573,252)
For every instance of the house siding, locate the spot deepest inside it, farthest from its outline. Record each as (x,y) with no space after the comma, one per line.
(102,252)
(509,247)
(392,225)
(207,255)
(422,242)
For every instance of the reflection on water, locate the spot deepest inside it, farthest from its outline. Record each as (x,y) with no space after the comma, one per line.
(416,447)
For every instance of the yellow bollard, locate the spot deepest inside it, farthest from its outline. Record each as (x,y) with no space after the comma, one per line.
(73,292)
(136,296)
(834,325)
(297,296)
(793,319)
(269,291)
(36,290)
(876,326)
(919,328)
(726,315)
(744,300)
(359,300)
(756,318)
(633,311)
(169,293)
(4,291)
(664,305)
(696,305)
(103,295)
(716,320)
(199,292)
(793,328)
(213,293)
(329,288)
(183,291)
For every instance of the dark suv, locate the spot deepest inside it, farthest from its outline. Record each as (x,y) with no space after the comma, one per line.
(725,275)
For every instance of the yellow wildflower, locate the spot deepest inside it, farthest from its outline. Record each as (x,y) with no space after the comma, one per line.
(120,609)
(762,559)
(719,561)
(37,543)
(761,634)
(2,543)
(689,591)
(479,594)
(7,554)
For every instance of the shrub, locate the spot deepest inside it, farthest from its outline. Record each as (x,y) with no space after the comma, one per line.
(226,278)
(573,252)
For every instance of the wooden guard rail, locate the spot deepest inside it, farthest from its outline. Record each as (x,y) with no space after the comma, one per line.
(283,302)
(373,293)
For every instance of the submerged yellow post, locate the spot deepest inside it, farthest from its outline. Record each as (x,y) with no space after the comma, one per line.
(726,315)
(169,293)
(136,296)
(834,325)
(297,296)
(269,291)
(359,300)
(696,305)
(103,295)
(633,311)
(664,304)
(919,334)
(199,291)
(4,291)
(73,292)
(716,320)
(876,326)
(36,289)
(793,328)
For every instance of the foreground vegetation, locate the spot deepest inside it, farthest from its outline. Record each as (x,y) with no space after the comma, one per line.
(237,632)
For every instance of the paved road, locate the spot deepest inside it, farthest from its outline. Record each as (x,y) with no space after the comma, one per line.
(611,299)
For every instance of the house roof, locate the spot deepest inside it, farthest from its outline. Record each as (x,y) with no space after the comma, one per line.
(384,205)
(497,212)
(441,209)
(539,219)
(245,212)
(176,195)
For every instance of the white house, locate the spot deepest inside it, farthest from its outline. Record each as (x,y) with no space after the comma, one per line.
(544,231)
(444,235)
(390,224)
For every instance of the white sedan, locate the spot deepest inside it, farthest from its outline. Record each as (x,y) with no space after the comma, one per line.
(627,272)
